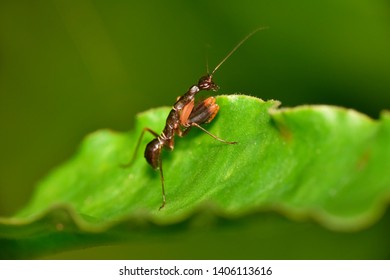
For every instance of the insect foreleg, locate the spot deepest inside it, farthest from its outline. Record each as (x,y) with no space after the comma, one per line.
(204,112)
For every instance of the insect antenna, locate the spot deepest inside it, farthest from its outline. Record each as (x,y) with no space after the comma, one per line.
(206,55)
(236,47)
(207,64)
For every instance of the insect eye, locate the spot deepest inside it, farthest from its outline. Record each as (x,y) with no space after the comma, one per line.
(206,83)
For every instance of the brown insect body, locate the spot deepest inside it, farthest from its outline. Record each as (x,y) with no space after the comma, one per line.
(180,119)
(183,116)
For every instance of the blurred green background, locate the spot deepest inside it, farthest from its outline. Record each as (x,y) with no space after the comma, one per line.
(68,68)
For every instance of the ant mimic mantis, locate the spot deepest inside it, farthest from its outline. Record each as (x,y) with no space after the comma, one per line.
(184,115)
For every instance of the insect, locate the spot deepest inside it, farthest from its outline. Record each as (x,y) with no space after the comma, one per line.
(184,115)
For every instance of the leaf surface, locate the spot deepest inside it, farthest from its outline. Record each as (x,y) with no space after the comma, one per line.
(321,163)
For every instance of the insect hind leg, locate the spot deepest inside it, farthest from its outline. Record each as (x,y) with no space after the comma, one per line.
(162,184)
(146,129)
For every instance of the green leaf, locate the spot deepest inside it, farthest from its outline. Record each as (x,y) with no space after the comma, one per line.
(321,163)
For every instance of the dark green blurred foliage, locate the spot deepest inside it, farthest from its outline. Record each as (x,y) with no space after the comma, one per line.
(68,68)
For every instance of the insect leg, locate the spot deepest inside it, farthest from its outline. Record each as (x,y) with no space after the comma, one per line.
(153,157)
(212,135)
(198,114)
(138,144)
(205,112)
(186,112)
(162,184)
